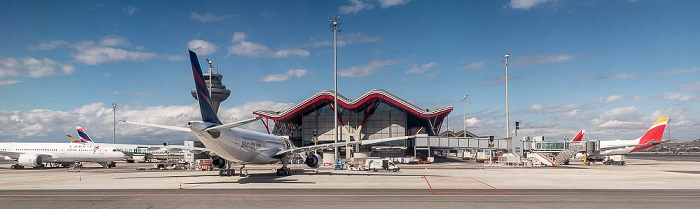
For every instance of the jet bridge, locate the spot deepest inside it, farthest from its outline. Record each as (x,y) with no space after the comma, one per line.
(458,143)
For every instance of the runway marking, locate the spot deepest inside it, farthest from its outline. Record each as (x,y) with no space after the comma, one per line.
(339,195)
(431,187)
(506,193)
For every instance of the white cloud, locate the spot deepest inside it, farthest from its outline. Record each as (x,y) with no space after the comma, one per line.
(681,71)
(471,122)
(47,45)
(619,76)
(238,37)
(115,41)
(678,96)
(422,69)
(89,53)
(530,60)
(129,10)
(291,73)
(350,38)
(31,67)
(8,82)
(391,3)
(370,68)
(287,52)
(473,66)
(201,47)
(694,86)
(526,4)
(355,7)
(250,49)
(620,113)
(609,99)
(245,48)
(207,17)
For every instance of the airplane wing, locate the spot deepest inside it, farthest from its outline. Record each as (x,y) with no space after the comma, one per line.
(176,128)
(13,155)
(635,145)
(339,144)
(231,125)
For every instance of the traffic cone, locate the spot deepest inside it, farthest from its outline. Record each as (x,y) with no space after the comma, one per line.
(80,178)
(180,185)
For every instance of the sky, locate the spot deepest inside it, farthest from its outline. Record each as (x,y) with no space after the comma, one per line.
(611,68)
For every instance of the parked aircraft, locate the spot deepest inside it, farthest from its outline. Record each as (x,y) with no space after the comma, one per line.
(652,137)
(233,144)
(36,154)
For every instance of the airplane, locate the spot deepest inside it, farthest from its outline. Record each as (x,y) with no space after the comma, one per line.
(652,137)
(233,144)
(35,154)
(137,152)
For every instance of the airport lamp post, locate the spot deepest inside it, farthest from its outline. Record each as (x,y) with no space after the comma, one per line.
(335,28)
(464,121)
(507,113)
(114,123)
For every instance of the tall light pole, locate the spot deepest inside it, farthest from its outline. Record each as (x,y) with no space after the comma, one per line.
(114,123)
(335,28)
(464,121)
(507,113)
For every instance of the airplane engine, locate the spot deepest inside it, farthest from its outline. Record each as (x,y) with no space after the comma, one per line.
(218,162)
(314,160)
(30,160)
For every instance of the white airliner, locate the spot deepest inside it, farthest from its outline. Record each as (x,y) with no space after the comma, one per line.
(246,146)
(138,152)
(36,154)
(652,137)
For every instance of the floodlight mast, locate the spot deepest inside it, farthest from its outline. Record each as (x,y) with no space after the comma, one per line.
(210,75)
(464,121)
(507,113)
(114,123)
(335,29)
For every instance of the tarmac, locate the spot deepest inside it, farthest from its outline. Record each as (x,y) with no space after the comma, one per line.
(647,181)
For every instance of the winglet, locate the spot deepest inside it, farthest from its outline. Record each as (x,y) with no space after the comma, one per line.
(206,106)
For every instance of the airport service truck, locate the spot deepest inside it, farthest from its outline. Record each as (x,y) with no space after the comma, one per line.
(615,160)
(380,164)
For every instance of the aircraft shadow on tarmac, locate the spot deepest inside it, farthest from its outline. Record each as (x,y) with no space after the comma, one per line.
(272,178)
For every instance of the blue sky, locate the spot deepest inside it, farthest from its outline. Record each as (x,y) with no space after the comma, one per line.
(610,67)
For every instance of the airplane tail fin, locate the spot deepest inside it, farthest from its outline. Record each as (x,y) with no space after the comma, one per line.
(656,132)
(578,136)
(74,140)
(83,136)
(205,103)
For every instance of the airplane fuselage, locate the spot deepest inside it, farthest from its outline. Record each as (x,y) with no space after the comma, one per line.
(63,152)
(240,145)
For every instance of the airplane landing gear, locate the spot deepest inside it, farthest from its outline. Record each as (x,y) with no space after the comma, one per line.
(227,171)
(16,167)
(284,171)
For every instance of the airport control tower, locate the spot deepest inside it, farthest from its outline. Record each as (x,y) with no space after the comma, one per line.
(219,93)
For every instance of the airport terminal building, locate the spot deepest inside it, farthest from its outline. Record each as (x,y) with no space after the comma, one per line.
(375,114)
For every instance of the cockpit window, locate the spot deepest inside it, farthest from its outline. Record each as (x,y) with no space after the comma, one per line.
(114,150)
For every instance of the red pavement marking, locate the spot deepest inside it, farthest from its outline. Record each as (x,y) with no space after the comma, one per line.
(506,193)
(431,188)
(338,195)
